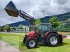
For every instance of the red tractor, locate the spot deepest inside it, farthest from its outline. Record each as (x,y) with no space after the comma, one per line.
(41,34)
(44,35)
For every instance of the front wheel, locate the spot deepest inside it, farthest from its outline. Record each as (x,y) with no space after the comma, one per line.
(52,39)
(31,43)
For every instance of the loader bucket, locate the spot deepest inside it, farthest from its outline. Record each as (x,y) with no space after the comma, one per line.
(11,9)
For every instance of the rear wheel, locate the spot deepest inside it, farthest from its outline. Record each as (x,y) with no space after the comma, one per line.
(31,43)
(52,39)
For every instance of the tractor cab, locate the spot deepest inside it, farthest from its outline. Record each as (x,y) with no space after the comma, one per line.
(44,27)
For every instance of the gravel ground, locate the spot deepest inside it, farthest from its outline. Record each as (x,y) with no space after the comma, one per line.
(4,47)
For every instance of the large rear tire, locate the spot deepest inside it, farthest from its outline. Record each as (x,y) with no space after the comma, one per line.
(53,39)
(31,43)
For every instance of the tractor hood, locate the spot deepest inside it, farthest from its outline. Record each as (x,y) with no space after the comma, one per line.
(31,33)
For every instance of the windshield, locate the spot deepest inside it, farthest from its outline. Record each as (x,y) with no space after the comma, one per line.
(45,27)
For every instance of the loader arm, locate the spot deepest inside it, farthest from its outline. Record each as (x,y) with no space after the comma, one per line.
(25,16)
(13,11)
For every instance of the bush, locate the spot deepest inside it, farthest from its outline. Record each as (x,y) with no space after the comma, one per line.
(20,26)
(1,28)
(13,28)
(7,28)
(55,23)
(37,22)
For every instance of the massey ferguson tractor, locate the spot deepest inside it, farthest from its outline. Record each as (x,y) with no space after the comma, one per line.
(38,34)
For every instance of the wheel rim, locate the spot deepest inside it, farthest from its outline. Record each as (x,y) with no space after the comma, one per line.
(53,40)
(31,43)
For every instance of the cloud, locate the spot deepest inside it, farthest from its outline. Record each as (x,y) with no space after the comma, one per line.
(5,19)
(53,7)
(35,8)
(61,2)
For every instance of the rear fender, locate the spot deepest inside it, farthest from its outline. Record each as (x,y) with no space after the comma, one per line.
(47,33)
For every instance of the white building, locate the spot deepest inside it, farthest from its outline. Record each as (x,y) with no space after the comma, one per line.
(24,29)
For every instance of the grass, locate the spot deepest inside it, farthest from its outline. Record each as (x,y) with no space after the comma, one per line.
(16,41)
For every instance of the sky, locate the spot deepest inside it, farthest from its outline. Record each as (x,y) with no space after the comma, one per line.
(35,8)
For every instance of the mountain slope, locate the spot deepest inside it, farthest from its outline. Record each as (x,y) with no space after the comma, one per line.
(18,23)
(61,17)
